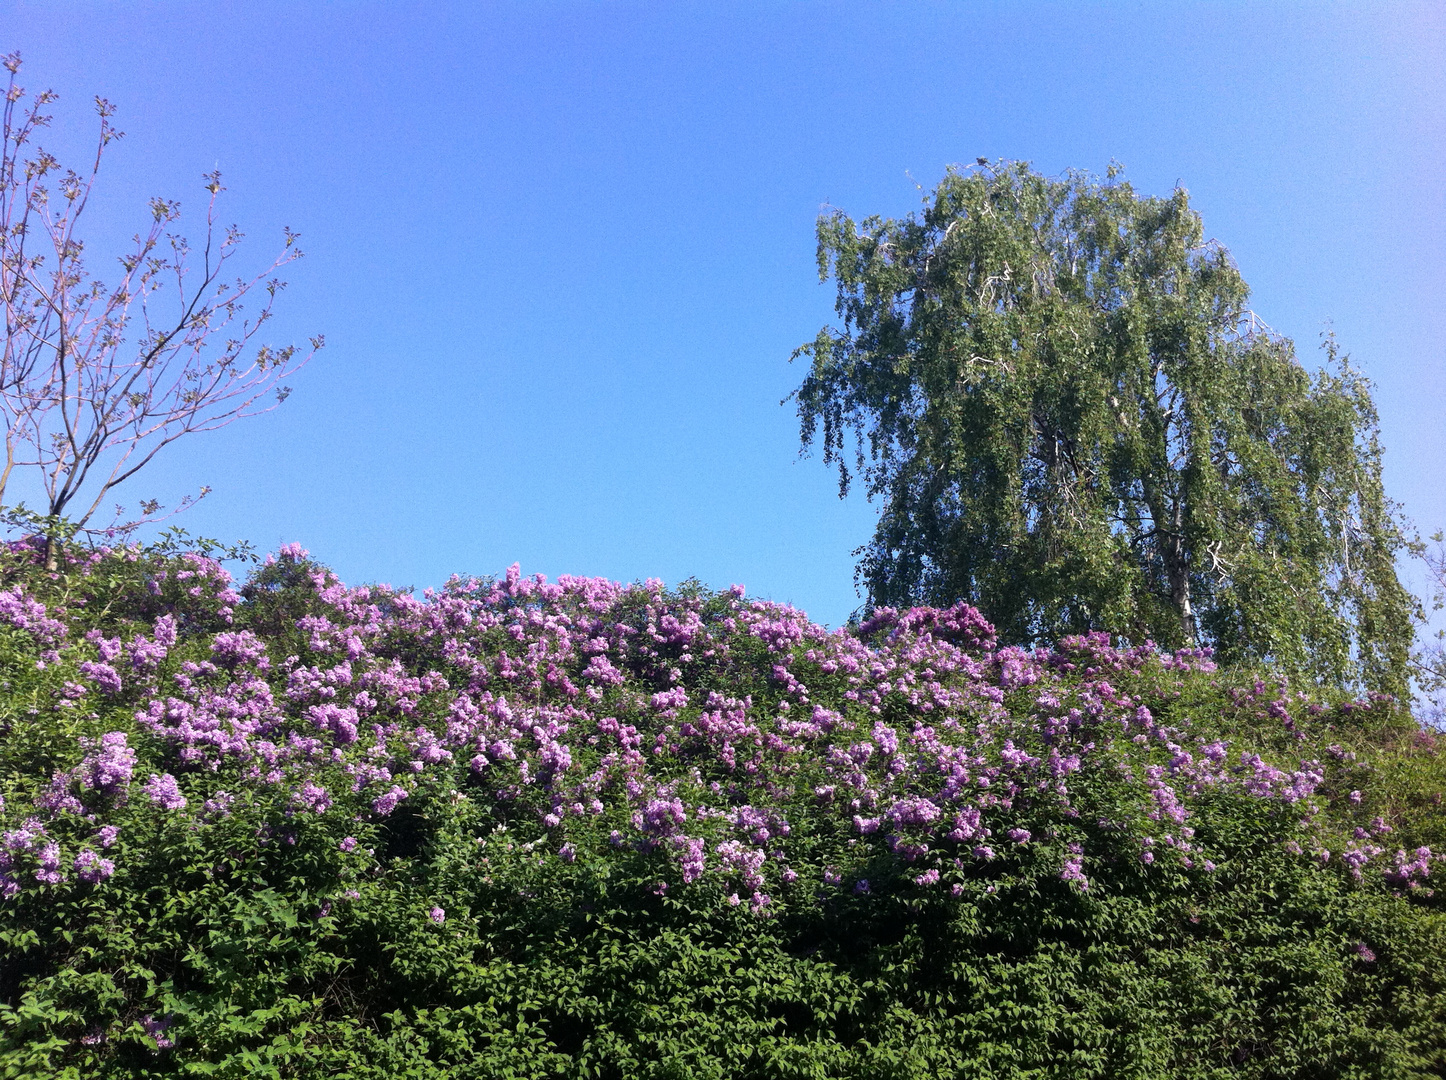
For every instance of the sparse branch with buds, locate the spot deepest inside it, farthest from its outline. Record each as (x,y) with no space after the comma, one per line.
(97,377)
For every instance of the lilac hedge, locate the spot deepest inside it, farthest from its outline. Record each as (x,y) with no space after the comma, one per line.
(578,828)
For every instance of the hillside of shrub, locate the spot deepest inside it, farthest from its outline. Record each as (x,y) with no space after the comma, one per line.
(282,827)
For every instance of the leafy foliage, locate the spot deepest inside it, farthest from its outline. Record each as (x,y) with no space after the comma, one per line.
(1429,660)
(576,829)
(1072,420)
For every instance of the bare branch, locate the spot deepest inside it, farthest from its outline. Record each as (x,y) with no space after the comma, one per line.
(97,378)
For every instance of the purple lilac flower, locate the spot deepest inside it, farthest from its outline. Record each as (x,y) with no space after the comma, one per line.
(1073,871)
(165,630)
(156,1029)
(341,721)
(109,767)
(913,811)
(735,857)
(49,872)
(312,797)
(218,805)
(28,614)
(914,788)
(437,915)
(91,868)
(165,792)
(1409,868)
(103,675)
(385,804)
(236,649)
(661,817)
(58,799)
(21,839)
(145,654)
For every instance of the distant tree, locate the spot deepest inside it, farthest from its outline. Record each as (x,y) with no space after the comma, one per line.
(97,377)
(1072,420)
(1429,660)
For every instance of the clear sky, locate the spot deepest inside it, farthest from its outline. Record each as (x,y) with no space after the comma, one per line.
(561,252)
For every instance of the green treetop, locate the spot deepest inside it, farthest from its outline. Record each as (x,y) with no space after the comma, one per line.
(1071,419)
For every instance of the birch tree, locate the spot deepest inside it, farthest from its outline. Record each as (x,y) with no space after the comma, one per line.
(1069,416)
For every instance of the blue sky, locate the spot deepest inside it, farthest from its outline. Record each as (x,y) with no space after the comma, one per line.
(561,251)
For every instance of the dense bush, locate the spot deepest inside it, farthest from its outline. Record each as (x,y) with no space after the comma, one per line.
(580,829)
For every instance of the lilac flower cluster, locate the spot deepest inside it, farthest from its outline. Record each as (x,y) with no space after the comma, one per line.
(30,615)
(108,767)
(597,714)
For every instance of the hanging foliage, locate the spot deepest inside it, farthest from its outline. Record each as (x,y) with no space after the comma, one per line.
(1069,417)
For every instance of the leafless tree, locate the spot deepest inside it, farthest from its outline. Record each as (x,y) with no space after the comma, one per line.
(98,376)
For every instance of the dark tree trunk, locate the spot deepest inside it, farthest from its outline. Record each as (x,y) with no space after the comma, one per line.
(1177,571)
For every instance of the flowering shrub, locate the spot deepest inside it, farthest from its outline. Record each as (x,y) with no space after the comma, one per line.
(576,828)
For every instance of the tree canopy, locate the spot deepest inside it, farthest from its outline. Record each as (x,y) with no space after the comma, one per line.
(1070,418)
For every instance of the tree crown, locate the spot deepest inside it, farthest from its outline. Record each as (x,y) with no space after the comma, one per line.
(1070,417)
